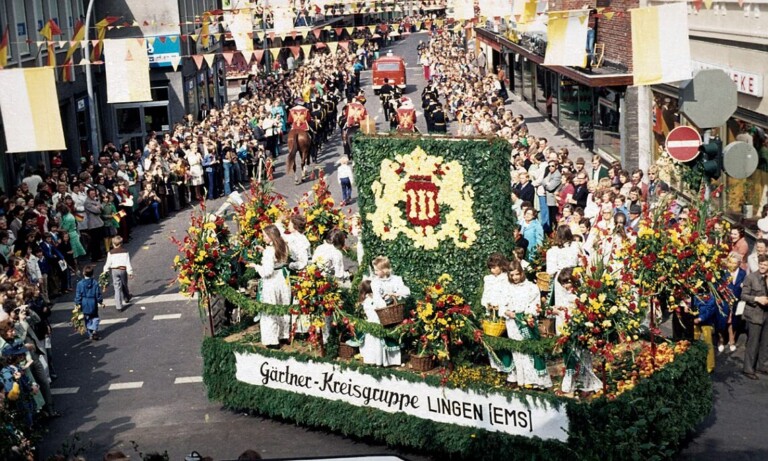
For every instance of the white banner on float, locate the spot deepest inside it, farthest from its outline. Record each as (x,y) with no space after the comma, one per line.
(523,415)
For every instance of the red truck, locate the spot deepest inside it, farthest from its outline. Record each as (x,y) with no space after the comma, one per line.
(390,67)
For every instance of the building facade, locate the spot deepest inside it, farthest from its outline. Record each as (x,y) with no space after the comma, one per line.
(600,108)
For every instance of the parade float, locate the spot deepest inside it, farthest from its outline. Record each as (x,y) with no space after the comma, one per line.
(438,208)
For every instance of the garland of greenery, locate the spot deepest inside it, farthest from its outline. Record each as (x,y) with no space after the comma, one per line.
(647,422)
(486,169)
(543,347)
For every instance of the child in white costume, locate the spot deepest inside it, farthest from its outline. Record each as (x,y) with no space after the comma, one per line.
(495,291)
(375,351)
(384,284)
(520,310)
(273,287)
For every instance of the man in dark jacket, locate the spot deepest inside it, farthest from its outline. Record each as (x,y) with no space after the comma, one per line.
(755,294)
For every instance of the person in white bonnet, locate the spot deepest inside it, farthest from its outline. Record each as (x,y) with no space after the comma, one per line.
(762,227)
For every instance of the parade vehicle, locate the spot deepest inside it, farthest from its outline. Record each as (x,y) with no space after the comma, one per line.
(390,67)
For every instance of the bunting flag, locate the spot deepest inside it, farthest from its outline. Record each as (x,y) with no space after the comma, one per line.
(4,49)
(333,46)
(567,38)
(661,51)
(198,58)
(275,52)
(47,32)
(306,49)
(101,32)
(295,50)
(708,4)
(228,56)
(175,61)
(247,55)
(209,58)
(127,67)
(67,73)
(30,109)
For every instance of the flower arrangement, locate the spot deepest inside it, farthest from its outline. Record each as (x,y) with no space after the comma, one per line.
(204,254)
(77,320)
(315,292)
(673,255)
(605,314)
(317,296)
(104,280)
(440,320)
(426,199)
(261,208)
(321,211)
(643,363)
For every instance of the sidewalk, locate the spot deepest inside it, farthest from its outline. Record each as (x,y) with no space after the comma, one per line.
(539,126)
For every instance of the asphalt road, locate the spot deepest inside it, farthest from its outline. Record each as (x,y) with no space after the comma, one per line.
(141,385)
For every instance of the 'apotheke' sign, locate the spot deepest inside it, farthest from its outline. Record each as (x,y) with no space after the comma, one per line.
(746,82)
(524,416)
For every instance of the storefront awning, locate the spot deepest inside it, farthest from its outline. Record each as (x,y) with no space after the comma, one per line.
(604,77)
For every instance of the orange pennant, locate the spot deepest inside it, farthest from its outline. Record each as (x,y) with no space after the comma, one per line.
(198,58)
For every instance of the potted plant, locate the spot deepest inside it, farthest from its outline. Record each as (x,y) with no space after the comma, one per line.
(747,205)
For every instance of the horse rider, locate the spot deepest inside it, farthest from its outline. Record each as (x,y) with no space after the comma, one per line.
(406,116)
(352,116)
(299,117)
(317,122)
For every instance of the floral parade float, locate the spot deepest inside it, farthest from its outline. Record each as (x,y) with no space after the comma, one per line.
(438,208)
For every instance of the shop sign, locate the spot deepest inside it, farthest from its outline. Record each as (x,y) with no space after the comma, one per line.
(521,415)
(162,53)
(746,82)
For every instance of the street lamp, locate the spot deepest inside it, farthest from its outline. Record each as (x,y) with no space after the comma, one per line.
(89,85)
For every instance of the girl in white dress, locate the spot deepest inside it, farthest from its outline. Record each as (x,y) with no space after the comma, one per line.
(564,253)
(375,350)
(298,255)
(521,309)
(328,255)
(274,288)
(384,284)
(578,362)
(495,289)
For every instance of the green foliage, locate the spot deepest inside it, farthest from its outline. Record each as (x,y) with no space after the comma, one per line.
(486,169)
(646,423)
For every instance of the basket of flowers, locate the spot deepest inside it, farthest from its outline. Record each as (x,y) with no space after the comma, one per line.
(494,326)
(393,314)
(422,362)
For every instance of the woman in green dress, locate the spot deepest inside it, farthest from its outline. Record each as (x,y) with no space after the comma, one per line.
(69,225)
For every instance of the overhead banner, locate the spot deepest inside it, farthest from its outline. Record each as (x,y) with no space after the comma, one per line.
(240,26)
(567,38)
(30,108)
(524,415)
(127,66)
(661,52)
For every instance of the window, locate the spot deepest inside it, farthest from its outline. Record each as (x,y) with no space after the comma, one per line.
(749,191)
(128,120)
(22,32)
(159,93)
(39,16)
(388,66)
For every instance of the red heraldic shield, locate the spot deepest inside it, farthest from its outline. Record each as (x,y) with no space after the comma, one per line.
(421,208)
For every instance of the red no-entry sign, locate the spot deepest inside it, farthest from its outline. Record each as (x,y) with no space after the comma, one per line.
(683,143)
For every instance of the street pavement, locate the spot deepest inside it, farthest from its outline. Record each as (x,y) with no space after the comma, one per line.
(140,388)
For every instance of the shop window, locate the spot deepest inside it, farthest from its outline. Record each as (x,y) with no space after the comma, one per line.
(156,118)
(128,120)
(607,136)
(576,106)
(159,93)
(754,189)
(22,27)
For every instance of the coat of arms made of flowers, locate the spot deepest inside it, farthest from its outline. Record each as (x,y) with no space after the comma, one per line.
(438,205)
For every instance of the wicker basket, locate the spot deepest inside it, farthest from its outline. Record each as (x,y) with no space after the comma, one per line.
(391,315)
(543,280)
(422,363)
(547,328)
(494,327)
(346,351)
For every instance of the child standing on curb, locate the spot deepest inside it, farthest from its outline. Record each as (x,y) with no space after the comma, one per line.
(88,297)
(346,179)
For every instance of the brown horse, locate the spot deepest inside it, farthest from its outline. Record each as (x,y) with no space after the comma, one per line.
(298,141)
